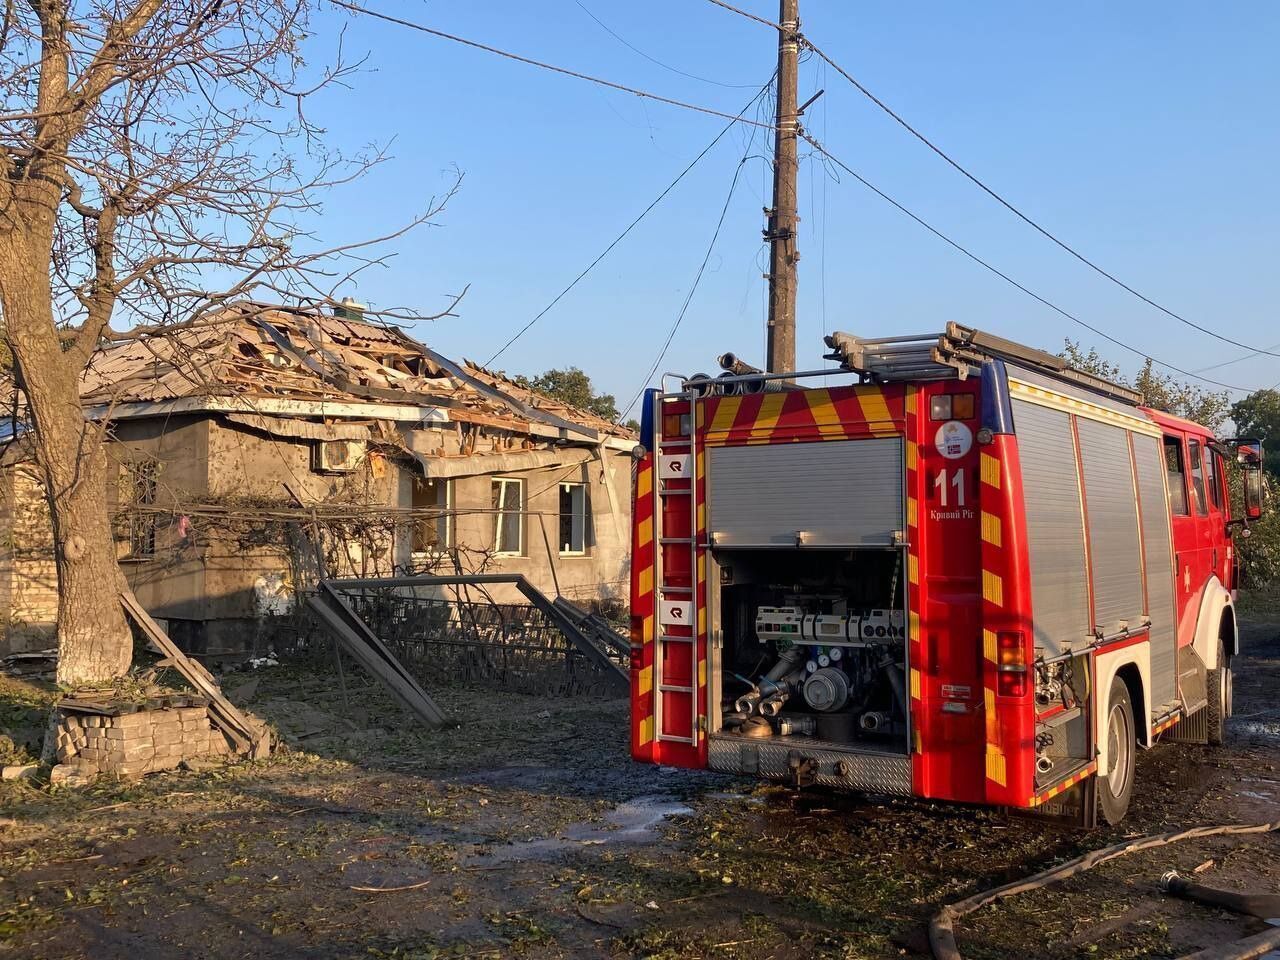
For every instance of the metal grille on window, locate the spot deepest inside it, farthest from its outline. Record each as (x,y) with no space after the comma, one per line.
(573,518)
(142,522)
(508,505)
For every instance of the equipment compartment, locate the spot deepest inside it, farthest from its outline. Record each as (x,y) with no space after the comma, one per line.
(813,647)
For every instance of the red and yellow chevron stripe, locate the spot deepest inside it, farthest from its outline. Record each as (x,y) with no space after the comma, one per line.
(850,412)
(1064,786)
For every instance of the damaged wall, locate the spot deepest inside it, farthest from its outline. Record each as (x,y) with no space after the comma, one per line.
(220,542)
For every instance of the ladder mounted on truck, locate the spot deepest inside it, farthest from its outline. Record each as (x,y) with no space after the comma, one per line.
(955,354)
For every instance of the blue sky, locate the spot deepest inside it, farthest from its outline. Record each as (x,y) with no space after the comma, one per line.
(1143,133)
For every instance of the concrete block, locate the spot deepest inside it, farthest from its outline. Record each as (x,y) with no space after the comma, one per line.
(166,737)
(192,713)
(142,751)
(70,774)
(90,754)
(128,735)
(132,721)
(19,772)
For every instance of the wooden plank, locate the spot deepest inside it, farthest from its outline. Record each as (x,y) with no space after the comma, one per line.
(221,710)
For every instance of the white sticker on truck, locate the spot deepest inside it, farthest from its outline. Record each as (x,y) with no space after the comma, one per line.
(678,612)
(675,466)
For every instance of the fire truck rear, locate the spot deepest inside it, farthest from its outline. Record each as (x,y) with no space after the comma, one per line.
(972,574)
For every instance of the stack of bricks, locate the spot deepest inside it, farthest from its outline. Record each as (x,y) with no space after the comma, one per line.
(130,744)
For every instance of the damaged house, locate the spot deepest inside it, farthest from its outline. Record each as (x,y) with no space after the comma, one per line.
(267,446)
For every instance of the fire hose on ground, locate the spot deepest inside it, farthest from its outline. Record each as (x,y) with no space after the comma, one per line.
(942,938)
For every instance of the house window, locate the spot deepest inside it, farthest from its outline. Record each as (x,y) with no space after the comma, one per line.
(1177,476)
(432,514)
(508,516)
(141,480)
(1197,478)
(573,518)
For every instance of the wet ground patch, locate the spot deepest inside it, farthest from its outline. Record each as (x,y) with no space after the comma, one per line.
(524,830)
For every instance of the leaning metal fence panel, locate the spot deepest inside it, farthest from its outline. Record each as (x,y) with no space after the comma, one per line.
(466,637)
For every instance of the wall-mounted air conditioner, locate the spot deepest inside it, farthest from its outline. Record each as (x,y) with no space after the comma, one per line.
(337,456)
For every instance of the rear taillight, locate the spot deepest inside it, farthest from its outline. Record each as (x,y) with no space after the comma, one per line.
(1011,664)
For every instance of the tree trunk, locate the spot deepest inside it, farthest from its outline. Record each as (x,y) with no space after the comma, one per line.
(94,640)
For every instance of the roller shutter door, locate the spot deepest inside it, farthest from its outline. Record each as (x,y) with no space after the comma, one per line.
(1114,547)
(1148,457)
(845,493)
(1055,527)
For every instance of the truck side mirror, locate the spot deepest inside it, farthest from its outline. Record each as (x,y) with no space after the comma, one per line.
(1249,456)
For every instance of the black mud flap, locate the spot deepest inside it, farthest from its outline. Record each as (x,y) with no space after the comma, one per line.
(1076,807)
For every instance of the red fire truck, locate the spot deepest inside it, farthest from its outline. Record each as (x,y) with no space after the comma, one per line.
(971,574)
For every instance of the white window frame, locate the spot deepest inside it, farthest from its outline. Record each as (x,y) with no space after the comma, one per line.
(582,516)
(444,523)
(501,484)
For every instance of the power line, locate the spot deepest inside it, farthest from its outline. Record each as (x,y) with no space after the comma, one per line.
(1227,363)
(973,178)
(422,28)
(631,226)
(750,16)
(665,66)
(684,308)
(1004,276)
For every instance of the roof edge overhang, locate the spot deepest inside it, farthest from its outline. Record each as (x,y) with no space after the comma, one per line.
(422,416)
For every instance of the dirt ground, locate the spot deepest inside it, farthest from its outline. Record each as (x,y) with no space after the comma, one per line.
(527,832)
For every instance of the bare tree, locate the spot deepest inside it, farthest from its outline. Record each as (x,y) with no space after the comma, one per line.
(155,162)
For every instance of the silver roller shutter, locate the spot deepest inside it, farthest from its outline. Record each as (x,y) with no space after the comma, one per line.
(1148,456)
(844,493)
(1055,527)
(1114,548)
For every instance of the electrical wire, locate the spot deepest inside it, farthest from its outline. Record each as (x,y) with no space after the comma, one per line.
(1227,363)
(684,308)
(423,28)
(1004,276)
(973,178)
(665,66)
(631,226)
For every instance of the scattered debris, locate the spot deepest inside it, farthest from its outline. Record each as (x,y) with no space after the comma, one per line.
(408,886)
(19,771)
(248,737)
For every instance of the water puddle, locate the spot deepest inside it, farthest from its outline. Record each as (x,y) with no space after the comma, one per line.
(632,822)
(1260,729)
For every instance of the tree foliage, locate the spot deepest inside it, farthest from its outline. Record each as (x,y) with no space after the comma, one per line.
(156,161)
(572,386)
(1159,390)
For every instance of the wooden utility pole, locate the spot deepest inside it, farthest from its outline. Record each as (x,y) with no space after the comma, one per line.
(781,231)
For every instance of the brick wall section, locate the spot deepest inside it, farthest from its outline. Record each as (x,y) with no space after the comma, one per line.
(133,744)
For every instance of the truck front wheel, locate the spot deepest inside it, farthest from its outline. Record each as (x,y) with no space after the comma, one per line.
(1115,787)
(1219,706)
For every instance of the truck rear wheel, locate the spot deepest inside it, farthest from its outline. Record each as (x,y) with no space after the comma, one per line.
(1219,692)
(1115,787)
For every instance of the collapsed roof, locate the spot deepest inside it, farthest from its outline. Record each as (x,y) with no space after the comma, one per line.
(253,354)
